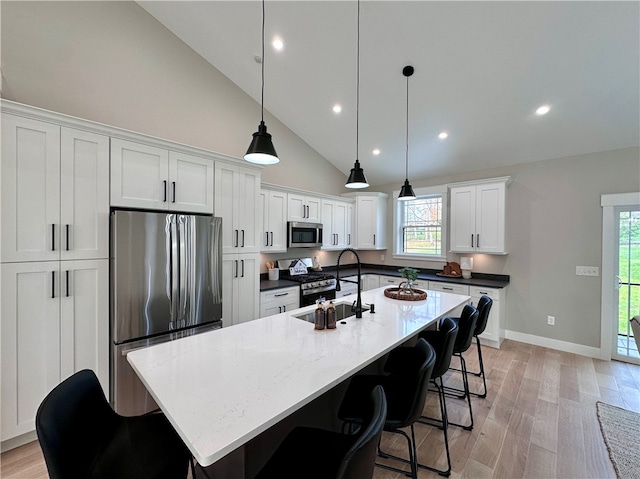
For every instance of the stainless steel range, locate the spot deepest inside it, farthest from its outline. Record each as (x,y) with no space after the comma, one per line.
(313,284)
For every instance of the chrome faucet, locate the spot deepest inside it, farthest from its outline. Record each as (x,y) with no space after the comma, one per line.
(358,305)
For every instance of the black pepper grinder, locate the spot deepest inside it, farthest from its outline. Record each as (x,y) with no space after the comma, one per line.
(320,317)
(331,316)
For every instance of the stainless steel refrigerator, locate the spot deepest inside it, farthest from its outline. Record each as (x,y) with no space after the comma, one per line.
(165,284)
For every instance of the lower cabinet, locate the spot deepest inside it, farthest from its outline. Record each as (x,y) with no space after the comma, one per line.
(240,288)
(494,333)
(370,281)
(451,288)
(279,301)
(347,288)
(54,322)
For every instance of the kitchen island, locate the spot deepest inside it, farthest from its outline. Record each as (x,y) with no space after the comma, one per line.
(222,388)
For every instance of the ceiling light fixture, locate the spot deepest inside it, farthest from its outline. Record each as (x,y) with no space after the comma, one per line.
(543,110)
(277,44)
(356,177)
(443,135)
(406,192)
(337,108)
(376,151)
(261,150)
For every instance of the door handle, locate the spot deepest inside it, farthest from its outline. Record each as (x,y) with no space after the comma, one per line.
(53,284)
(478,240)
(164,189)
(267,238)
(53,237)
(243,239)
(271,239)
(349,239)
(236,245)
(67,281)
(279,309)
(284,308)
(472,240)
(242,262)
(374,239)
(67,230)
(236,261)
(173,187)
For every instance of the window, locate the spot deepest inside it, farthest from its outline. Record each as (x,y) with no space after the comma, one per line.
(420,224)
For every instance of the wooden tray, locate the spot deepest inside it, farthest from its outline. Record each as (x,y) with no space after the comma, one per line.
(397,293)
(449,275)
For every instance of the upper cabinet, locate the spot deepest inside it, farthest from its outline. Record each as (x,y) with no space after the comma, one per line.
(144,176)
(55,192)
(304,208)
(478,216)
(273,205)
(237,202)
(370,220)
(337,224)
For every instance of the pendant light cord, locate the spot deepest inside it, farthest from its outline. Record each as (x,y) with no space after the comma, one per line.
(262,64)
(406,169)
(358,83)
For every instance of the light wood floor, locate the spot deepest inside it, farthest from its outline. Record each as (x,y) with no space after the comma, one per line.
(538,421)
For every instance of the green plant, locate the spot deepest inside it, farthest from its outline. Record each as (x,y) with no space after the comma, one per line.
(410,274)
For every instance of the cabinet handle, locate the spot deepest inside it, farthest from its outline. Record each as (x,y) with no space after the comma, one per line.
(281,294)
(53,284)
(164,189)
(478,240)
(173,187)
(242,262)
(243,239)
(472,240)
(67,229)
(279,309)
(67,281)
(374,239)
(448,289)
(236,245)
(53,237)
(236,261)
(271,239)
(349,239)
(284,308)
(308,213)
(266,238)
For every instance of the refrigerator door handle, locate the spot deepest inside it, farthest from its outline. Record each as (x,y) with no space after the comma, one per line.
(185,266)
(174,272)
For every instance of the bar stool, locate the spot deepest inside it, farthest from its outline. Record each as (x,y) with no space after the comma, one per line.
(405,384)
(442,341)
(484,308)
(81,436)
(318,454)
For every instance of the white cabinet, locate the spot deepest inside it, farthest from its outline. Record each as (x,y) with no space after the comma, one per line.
(273,205)
(493,334)
(144,176)
(390,280)
(240,288)
(370,220)
(54,323)
(55,192)
(347,288)
(336,221)
(370,281)
(451,288)
(478,216)
(237,202)
(304,208)
(279,301)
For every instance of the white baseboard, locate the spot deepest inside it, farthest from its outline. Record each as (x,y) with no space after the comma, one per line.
(565,346)
(18,441)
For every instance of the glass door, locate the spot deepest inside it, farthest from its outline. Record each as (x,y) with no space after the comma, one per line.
(625,347)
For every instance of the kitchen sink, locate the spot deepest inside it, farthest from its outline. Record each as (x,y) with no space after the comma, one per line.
(343,310)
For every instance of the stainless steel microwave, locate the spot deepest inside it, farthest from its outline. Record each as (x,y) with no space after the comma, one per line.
(304,235)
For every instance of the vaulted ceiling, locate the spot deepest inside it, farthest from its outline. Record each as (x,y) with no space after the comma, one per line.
(481,71)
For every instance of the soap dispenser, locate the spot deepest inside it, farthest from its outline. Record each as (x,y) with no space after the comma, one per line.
(331,316)
(320,316)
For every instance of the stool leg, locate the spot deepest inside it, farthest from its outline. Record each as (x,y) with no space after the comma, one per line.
(467,394)
(481,373)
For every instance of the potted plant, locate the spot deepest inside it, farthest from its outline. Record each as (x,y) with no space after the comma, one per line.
(410,274)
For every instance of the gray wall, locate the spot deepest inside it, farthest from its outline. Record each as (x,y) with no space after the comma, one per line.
(111,62)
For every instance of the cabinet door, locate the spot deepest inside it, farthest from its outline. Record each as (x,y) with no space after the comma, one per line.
(248,283)
(226,205)
(277,226)
(30,190)
(365,222)
(30,341)
(84,320)
(84,195)
(328,234)
(463,219)
(191,183)
(249,219)
(371,281)
(314,209)
(229,289)
(296,208)
(349,225)
(390,280)
(340,224)
(490,218)
(139,175)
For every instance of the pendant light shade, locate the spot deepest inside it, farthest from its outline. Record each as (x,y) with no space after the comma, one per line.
(406,192)
(261,150)
(356,177)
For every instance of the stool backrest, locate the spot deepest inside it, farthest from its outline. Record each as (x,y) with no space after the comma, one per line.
(484,307)
(466,327)
(443,343)
(73,424)
(360,460)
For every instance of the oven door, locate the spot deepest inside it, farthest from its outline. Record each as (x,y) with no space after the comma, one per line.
(309,299)
(304,235)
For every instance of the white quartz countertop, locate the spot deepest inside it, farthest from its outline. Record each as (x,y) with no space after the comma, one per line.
(221,388)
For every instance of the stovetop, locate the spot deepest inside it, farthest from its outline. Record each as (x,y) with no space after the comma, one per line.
(310,277)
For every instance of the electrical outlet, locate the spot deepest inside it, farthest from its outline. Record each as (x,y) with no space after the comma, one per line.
(382,257)
(551,320)
(587,271)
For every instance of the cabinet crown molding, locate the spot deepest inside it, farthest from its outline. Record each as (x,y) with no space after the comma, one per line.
(502,179)
(297,191)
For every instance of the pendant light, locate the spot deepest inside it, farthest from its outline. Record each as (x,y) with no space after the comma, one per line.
(406,192)
(261,150)
(356,177)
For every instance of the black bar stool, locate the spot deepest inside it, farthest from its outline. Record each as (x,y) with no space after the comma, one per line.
(81,436)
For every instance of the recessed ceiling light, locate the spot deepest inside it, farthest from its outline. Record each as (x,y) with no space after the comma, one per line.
(337,108)
(543,110)
(443,135)
(277,44)
(376,151)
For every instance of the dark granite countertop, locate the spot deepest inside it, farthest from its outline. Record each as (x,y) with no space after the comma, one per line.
(477,279)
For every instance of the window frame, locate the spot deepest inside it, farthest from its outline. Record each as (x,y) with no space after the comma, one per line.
(440,190)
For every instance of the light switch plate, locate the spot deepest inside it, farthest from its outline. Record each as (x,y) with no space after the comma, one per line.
(587,271)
